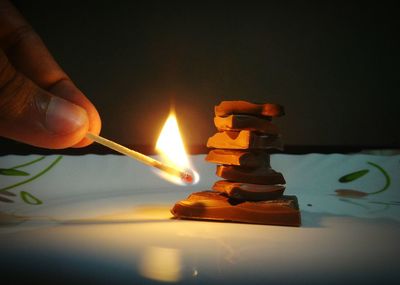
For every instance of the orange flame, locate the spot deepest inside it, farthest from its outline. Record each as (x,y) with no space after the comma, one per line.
(172,150)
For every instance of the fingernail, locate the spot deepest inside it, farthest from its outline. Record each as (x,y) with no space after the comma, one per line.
(64,117)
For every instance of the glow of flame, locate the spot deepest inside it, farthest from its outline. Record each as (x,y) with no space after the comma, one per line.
(161,264)
(172,151)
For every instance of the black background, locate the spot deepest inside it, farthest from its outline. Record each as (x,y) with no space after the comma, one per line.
(333,65)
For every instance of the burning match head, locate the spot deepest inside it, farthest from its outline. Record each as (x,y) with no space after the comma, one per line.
(180,176)
(188,176)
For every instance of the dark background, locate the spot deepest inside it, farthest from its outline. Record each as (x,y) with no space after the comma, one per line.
(333,65)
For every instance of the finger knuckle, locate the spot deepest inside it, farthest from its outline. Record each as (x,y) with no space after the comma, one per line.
(7,72)
(18,36)
(15,96)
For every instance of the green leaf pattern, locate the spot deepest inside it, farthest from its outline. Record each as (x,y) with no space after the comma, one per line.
(357,194)
(13,172)
(25,196)
(360,173)
(353,176)
(29,198)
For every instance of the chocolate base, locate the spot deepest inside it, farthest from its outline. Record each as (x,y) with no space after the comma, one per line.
(215,206)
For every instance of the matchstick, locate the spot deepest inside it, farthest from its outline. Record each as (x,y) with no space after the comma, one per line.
(186,175)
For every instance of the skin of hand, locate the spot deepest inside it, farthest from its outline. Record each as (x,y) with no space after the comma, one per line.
(39,104)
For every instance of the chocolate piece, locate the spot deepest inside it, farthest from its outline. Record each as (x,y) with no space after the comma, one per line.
(264,175)
(210,205)
(238,157)
(249,192)
(226,108)
(245,122)
(244,140)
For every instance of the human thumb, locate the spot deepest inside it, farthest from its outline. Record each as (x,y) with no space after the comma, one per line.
(34,116)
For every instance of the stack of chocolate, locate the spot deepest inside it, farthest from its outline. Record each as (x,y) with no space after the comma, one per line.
(251,192)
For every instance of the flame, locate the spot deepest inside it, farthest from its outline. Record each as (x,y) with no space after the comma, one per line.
(172,151)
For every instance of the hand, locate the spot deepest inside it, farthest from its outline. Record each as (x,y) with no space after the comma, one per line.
(39,104)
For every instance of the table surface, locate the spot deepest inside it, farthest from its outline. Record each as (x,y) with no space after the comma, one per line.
(104,219)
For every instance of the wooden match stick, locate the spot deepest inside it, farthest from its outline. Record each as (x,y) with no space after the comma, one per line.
(186,175)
